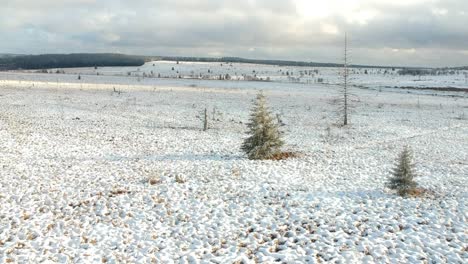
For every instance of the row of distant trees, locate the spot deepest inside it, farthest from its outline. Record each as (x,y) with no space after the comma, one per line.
(419,72)
(228,60)
(48,61)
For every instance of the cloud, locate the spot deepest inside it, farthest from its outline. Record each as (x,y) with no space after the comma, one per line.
(281,29)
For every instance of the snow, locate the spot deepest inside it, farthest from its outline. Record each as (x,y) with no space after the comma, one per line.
(77,158)
(168,72)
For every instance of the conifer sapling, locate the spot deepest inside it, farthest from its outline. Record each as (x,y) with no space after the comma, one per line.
(264,141)
(403,174)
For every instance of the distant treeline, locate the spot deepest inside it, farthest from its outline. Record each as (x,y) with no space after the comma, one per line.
(421,72)
(47,61)
(257,61)
(464,68)
(6,55)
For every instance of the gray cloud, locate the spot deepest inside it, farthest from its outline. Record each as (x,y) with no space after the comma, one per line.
(418,32)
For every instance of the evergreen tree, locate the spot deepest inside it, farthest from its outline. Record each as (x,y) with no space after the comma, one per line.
(403,174)
(264,141)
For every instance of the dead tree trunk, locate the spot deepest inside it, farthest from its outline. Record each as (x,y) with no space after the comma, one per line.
(345,83)
(205,120)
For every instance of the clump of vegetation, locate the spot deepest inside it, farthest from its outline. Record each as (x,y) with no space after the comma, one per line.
(180,178)
(264,141)
(154,180)
(403,174)
(286,155)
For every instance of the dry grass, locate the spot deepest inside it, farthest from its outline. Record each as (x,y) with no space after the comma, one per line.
(180,178)
(118,192)
(285,155)
(236,172)
(419,192)
(154,180)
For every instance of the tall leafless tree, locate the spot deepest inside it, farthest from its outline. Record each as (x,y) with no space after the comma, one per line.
(345,88)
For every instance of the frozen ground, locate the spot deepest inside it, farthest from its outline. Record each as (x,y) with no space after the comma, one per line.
(158,72)
(77,158)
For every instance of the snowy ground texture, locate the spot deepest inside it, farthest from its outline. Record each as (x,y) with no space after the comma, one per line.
(90,175)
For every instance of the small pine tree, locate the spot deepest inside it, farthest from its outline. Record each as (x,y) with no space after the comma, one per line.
(265,140)
(404,173)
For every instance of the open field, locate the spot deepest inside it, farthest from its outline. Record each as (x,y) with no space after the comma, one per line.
(117,170)
(163,72)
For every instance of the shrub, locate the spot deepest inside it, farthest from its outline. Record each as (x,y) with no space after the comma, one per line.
(180,178)
(404,174)
(264,141)
(154,180)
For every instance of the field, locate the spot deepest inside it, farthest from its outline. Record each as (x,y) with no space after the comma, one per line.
(115,168)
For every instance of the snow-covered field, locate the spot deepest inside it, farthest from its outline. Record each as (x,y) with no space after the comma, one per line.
(166,71)
(108,169)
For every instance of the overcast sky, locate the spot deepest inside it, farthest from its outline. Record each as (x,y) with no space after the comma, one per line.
(381,32)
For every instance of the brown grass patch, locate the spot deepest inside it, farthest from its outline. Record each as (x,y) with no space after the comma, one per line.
(236,172)
(285,155)
(118,192)
(420,192)
(154,181)
(180,178)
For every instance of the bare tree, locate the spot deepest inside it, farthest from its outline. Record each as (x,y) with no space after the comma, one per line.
(345,93)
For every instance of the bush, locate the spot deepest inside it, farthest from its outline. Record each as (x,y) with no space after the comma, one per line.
(265,140)
(404,174)
(180,178)
(154,180)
